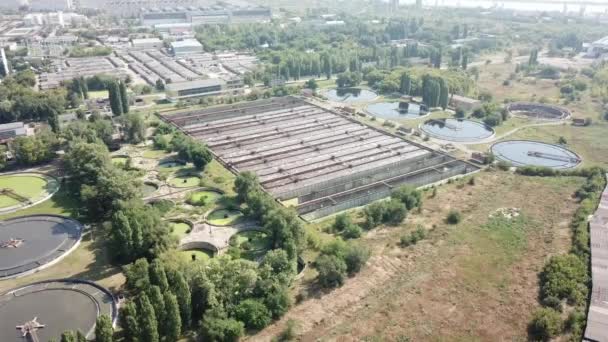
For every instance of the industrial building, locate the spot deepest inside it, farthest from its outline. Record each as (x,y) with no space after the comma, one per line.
(216,14)
(195,89)
(50,47)
(186,47)
(321,161)
(76,67)
(147,43)
(598,48)
(13,130)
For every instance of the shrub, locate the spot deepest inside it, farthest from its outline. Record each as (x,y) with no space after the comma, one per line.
(355,258)
(503,165)
(493,120)
(394,212)
(332,270)
(565,277)
(374,214)
(553,303)
(454,217)
(342,221)
(413,237)
(253,314)
(460,113)
(408,195)
(352,231)
(546,323)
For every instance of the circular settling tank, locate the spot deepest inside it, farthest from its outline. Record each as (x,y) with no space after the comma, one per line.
(180,228)
(350,95)
(205,196)
(224,217)
(52,307)
(22,189)
(397,110)
(30,242)
(457,130)
(538,111)
(534,153)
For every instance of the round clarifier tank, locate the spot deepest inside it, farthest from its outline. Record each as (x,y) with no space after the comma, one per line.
(535,153)
(397,110)
(457,130)
(350,95)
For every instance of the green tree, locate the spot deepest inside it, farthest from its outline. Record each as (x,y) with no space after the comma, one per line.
(115,100)
(332,270)
(244,183)
(134,128)
(147,319)
(124,97)
(180,288)
(104,332)
(158,276)
(218,328)
(129,322)
(68,336)
(173,322)
(546,324)
(253,314)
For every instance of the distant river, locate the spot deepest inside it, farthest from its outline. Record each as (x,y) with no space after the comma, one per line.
(590,9)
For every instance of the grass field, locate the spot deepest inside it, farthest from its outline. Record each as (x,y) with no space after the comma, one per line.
(29,186)
(99,94)
(253,245)
(224,217)
(198,254)
(180,229)
(120,161)
(207,196)
(154,154)
(184,181)
(474,281)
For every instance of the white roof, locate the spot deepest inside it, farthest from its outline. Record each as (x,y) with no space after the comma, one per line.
(186,43)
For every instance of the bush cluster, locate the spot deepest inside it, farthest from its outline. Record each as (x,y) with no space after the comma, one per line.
(337,260)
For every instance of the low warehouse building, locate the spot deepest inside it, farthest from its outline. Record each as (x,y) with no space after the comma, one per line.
(465,103)
(186,47)
(193,89)
(147,43)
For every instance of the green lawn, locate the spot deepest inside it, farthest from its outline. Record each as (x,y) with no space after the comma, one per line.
(29,186)
(184,181)
(99,94)
(253,245)
(120,161)
(224,217)
(198,254)
(206,196)
(180,229)
(154,154)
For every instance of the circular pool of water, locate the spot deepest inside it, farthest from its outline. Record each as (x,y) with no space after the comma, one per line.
(535,153)
(224,217)
(457,130)
(397,110)
(350,95)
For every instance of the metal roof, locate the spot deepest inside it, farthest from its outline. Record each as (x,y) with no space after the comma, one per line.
(597,319)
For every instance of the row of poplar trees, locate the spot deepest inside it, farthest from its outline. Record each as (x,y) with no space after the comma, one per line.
(119,100)
(435,91)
